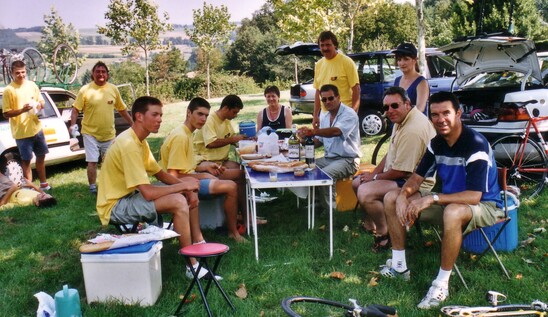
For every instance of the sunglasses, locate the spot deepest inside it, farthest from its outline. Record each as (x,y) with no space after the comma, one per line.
(394,106)
(330,98)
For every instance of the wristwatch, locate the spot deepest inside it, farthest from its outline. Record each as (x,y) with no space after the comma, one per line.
(436,198)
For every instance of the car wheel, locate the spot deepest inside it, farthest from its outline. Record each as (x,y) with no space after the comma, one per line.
(11,167)
(372,123)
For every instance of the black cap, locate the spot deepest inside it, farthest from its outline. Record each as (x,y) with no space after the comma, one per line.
(407,49)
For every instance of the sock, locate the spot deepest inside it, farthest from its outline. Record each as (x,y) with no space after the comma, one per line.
(443,276)
(93,186)
(398,260)
(44,184)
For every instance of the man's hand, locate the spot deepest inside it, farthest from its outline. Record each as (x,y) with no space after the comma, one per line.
(190,184)
(213,168)
(415,207)
(192,199)
(315,122)
(236,138)
(365,177)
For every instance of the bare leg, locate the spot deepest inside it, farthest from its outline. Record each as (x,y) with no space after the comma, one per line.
(395,229)
(27,171)
(370,196)
(234,173)
(229,189)
(92,172)
(41,168)
(195,230)
(455,218)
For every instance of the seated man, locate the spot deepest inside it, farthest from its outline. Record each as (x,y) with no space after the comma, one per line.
(212,144)
(339,133)
(411,133)
(470,196)
(125,193)
(27,194)
(177,158)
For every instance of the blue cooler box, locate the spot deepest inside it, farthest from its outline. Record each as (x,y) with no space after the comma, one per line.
(507,241)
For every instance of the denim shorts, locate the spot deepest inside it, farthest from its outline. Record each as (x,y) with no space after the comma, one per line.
(203,193)
(36,144)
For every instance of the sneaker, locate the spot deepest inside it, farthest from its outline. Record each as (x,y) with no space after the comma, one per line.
(93,189)
(45,187)
(389,272)
(437,293)
(204,273)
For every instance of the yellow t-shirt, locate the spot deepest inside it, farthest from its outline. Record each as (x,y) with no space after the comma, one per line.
(15,97)
(98,104)
(214,129)
(128,163)
(177,152)
(340,71)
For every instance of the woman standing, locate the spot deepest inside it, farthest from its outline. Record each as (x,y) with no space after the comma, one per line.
(416,85)
(274,115)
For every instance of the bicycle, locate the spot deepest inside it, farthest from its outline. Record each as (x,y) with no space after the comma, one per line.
(34,61)
(536,308)
(525,158)
(320,306)
(65,64)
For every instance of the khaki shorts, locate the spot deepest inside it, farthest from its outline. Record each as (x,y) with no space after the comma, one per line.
(95,149)
(483,214)
(134,208)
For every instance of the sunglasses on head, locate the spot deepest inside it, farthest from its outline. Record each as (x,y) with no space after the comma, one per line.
(330,98)
(394,106)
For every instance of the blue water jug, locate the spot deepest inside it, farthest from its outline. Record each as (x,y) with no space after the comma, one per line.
(67,303)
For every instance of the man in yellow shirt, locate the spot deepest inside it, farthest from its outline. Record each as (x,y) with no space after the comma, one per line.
(212,143)
(336,69)
(21,100)
(125,194)
(98,100)
(178,159)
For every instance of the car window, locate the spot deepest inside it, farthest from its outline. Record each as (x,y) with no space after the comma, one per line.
(440,66)
(2,118)
(498,79)
(369,69)
(48,108)
(62,100)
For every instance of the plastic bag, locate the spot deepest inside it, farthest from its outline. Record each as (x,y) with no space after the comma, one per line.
(46,305)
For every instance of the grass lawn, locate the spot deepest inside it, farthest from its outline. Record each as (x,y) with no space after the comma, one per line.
(39,252)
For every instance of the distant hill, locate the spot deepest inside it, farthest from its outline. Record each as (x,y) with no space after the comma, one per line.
(12,38)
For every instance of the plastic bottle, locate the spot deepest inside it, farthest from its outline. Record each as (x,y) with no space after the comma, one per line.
(294,146)
(309,153)
(75,132)
(273,145)
(262,143)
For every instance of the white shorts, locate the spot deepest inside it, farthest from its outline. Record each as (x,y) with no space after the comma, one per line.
(95,149)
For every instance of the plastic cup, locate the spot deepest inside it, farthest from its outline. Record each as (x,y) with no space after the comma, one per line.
(298,171)
(273,176)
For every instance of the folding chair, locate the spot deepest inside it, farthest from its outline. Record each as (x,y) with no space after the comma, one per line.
(497,227)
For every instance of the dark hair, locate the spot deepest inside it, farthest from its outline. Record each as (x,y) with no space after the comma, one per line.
(47,202)
(198,102)
(17,64)
(140,105)
(231,102)
(328,35)
(329,87)
(396,90)
(272,89)
(443,96)
(99,64)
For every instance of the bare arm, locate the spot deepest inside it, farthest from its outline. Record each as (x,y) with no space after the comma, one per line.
(4,200)
(126,116)
(73,116)
(328,132)
(423,91)
(259,121)
(226,141)
(288,117)
(356,90)
(18,112)
(317,107)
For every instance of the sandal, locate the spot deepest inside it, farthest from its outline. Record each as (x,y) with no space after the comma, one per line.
(364,229)
(378,244)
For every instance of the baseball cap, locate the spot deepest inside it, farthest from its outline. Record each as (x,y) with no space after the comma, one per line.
(406,49)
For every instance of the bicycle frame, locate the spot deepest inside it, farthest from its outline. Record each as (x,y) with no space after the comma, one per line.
(520,153)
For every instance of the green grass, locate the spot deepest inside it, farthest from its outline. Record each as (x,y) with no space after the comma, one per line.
(39,252)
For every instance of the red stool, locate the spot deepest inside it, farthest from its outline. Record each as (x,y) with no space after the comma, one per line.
(202,252)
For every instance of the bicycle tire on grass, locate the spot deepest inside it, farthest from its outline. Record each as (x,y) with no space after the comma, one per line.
(319,307)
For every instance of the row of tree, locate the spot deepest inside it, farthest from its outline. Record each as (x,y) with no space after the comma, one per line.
(361,25)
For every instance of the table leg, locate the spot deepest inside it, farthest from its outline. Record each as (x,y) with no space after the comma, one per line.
(308,210)
(254,222)
(313,205)
(247,205)
(330,222)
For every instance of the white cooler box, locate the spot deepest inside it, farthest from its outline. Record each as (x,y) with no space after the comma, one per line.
(132,278)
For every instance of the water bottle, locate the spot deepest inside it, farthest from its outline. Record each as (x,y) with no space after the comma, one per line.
(262,142)
(75,133)
(274,147)
(67,303)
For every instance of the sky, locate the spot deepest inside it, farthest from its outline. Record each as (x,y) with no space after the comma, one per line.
(89,13)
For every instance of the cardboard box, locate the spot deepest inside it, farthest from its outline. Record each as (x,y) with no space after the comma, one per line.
(508,240)
(132,278)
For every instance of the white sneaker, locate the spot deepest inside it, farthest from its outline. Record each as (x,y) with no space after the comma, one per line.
(437,293)
(389,272)
(203,273)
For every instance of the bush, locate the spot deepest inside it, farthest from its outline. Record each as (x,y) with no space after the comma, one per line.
(187,88)
(223,84)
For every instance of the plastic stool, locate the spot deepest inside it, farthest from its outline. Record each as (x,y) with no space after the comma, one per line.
(202,252)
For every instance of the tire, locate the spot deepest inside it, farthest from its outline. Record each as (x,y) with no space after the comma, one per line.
(65,64)
(382,141)
(319,308)
(36,65)
(372,123)
(11,167)
(530,183)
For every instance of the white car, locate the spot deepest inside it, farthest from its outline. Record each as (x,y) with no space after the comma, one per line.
(62,148)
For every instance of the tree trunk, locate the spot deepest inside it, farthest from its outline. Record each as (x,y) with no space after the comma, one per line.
(146,72)
(351,37)
(420,40)
(208,79)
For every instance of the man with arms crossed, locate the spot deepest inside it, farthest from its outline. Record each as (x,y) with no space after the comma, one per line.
(125,193)
(470,194)
(21,100)
(98,100)
(340,135)
(411,134)
(336,69)
(177,158)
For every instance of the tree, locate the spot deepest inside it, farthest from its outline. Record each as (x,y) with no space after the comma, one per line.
(135,24)
(304,20)
(211,30)
(351,9)
(56,32)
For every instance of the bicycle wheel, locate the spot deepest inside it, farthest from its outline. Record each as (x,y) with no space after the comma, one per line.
(36,65)
(530,182)
(382,144)
(313,306)
(65,64)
